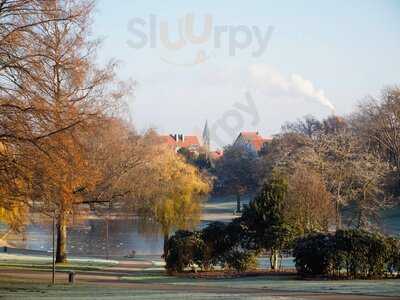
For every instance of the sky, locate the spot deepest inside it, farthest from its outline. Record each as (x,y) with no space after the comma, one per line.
(247,65)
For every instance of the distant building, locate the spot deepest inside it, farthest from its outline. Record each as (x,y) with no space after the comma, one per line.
(190,142)
(178,141)
(253,140)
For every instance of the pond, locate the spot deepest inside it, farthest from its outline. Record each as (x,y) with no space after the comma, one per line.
(89,237)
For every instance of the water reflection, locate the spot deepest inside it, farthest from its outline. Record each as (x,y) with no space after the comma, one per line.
(89,238)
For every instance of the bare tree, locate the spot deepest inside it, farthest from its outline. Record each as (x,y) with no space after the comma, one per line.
(377,122)
(309,126)
(369,195)
(341,157)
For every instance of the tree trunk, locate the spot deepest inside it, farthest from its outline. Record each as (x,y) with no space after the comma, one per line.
(166,237)
(238,203)
(61,255)
(274,260)
(338,216)
(338,210)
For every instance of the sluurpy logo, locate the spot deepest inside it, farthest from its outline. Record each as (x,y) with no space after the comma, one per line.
(154,33)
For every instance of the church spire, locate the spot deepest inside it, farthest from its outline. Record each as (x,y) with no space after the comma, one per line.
(206,137)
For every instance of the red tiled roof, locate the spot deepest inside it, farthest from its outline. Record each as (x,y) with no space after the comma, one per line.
(188,141)
(254,138)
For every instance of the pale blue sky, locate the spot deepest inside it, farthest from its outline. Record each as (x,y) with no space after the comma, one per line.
(344,49)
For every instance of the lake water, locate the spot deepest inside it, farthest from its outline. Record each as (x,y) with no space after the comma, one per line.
(89,237)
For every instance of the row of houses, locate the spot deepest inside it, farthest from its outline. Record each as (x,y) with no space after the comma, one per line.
(253,140)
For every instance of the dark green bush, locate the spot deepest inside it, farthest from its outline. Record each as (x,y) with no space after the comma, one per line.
(354,253)
(313,254)
(393,265)
(363,254)
(184,250)
(216,243)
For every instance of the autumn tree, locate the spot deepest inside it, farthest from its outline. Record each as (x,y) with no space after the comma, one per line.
(168,190)
(177,193)
(120,154)
(74,95)
(62,179)
(20,114)
(308,206)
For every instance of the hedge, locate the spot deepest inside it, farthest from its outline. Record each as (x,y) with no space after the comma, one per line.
(350,253)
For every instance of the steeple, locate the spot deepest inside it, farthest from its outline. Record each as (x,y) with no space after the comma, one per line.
(206,137)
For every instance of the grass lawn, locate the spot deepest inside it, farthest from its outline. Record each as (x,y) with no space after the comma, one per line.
(281,283)
(22,290)
(41,291)
(45,262)
(153,276)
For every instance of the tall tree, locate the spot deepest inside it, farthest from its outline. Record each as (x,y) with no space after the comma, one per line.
(377,123)
(265,219)
(237,171)
(74,94)
(178,193)
(308,206)
(20,114)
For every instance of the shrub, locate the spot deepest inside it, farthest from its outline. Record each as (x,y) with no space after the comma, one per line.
(184,249)
(241,261)
(313,254)
(219,241)
(361,254)
(393,264)
(216,244)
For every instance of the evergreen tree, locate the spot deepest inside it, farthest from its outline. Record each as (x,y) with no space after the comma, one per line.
(265,220)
